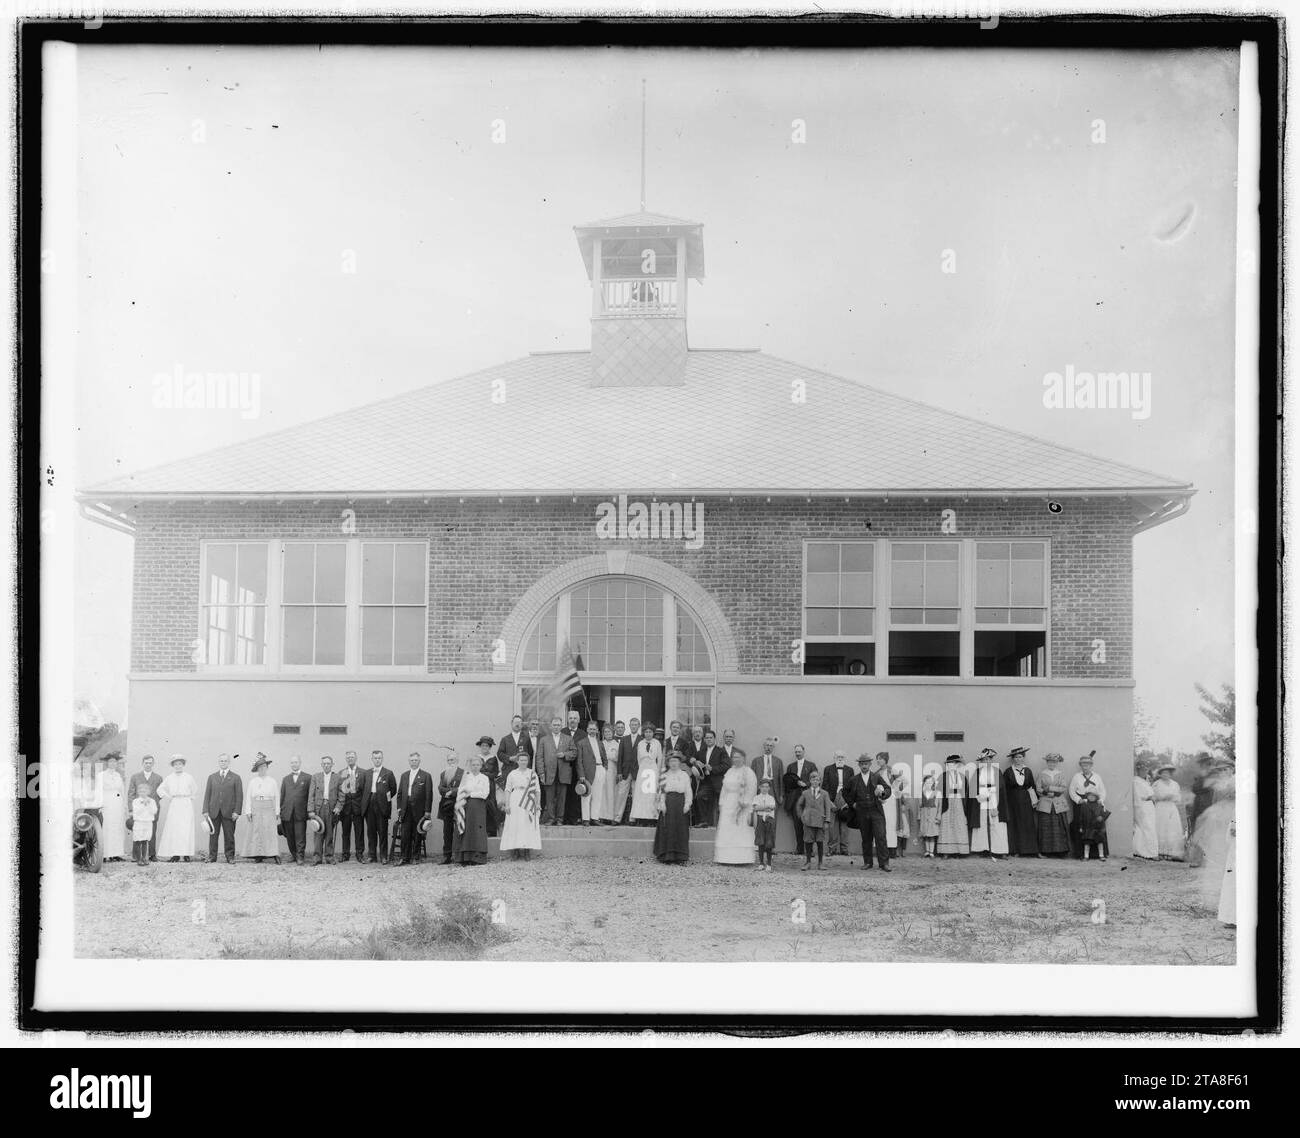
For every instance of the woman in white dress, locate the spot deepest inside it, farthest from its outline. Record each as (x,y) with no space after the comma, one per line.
(649,766)
(522,831)
(1171,831)
(263,803)
(114,811)
(604,807)
(897,827)
(176,841)
(1145,843)
(734,842)
(988,835)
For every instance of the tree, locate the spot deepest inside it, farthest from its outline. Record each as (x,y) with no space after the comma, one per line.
(1222,712)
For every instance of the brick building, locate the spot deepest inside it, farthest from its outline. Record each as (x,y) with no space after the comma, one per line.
(840,566)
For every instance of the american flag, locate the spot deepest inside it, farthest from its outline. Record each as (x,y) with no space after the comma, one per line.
(566,682)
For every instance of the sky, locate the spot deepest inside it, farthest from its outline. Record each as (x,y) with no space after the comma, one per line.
(352,223)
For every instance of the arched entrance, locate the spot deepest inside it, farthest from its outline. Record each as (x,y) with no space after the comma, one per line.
(640,649)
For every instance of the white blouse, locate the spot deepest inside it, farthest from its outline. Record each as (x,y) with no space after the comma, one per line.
(262,786)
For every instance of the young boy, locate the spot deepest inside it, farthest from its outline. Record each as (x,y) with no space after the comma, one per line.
(143,812)
(765,824)
(814,811)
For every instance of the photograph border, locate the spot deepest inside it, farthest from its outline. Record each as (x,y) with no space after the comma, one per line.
(821,32)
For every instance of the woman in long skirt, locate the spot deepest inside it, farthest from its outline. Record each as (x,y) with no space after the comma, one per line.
(263,803)
(1053,808)
(114,811)
(176,839)
(734,837)
(673,830)
(469,846)
(1171,833)
(604,808)
(522,831)
(1018,801)
(988,832)
(929,822)
(954,830)
(649,766)
(1145,843)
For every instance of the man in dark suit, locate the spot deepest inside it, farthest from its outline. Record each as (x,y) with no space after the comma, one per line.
(448,784)
(415,802)
(223,801)
(793,783)
(768,766)
(518,740)
(835,780)
(352,819)
(626,772)
(714,762)
(866,793)
(555,756)
(324,802)
(295,790)
(586,763)
(378,785)
(571,811)
(146,781)
(675,741)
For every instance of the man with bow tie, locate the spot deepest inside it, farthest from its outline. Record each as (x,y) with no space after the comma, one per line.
(768,766)
(295,791)
(835,780)
(223,800)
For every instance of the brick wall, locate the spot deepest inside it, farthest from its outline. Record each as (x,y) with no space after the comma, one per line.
(484,555)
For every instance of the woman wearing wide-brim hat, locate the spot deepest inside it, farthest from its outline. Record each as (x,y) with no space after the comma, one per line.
(263,811)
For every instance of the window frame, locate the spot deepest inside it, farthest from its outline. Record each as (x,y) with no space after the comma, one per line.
(966,625)
(273,655)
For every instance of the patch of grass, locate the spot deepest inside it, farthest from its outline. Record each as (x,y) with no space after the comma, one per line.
(458,927)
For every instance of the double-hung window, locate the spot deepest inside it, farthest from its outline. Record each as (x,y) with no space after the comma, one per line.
(839,608)
(925,608)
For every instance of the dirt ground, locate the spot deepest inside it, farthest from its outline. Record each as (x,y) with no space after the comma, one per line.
(607,909)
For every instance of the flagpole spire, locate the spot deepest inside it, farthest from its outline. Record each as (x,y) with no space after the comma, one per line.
(643,146)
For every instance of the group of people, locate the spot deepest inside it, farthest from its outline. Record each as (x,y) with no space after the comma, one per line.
(614,774)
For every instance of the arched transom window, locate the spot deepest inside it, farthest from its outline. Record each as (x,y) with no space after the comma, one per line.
(618,625)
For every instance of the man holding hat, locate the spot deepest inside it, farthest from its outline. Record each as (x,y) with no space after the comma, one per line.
(323,808)
(351,816)
(295,790)
(146,781)
(415,803)
(223,799)
(866,794)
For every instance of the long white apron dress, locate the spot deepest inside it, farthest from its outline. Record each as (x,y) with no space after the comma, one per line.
(988,835)
(177,836)
(1145,843)
(645,790)
(1169,822)
(523,825)
(604,805)
(114,815)
(734,841)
